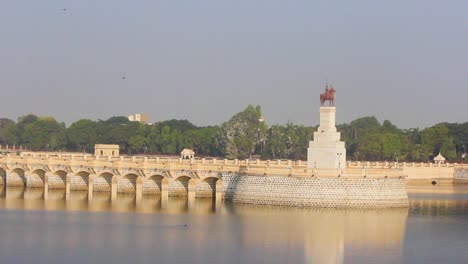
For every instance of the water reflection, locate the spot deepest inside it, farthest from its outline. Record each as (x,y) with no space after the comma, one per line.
(50,227)
(278,234)
(439,200)
(56,199)
(436,229)
(326,235)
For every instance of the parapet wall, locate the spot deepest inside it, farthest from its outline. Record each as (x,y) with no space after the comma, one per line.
(316,192)
(461,176)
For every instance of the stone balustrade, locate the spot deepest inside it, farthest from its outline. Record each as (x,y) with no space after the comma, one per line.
(384,164)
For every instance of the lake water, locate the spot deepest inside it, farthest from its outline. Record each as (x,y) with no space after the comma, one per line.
(74,230)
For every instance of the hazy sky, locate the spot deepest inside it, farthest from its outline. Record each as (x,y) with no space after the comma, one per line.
(402,60)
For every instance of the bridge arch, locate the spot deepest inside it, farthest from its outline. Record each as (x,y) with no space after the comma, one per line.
(35,179)
(128,183)
(153,184)
(2,176)
(181,185)
(57,179)
(16,178)
(80,181)
(207,187)
(103,182)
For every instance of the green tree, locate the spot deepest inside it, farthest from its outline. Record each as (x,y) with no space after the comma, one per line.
(117,120)
(179,125)
(138,141)
(45,134)
(168,140)
(436,140)
(240,136)
(153,139)
(7,133)
(23,121)
(82,135)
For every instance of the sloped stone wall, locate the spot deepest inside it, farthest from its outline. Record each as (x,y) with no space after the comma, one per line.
(34,180)
(79,183)
(57,181)
(205,188)
(316,192)
(102,184)
(126,185)
(151,186)
(15,179)
(178,187)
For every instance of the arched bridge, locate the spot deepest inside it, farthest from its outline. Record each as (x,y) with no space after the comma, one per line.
(137,175)
(154,175)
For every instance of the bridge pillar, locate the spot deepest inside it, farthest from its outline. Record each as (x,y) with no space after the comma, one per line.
(46,186)
(164,192)
(7,193)
(5,180)
(114,184)
(192,185)
(67,186)
(90,187)
(219,194)
(139,188)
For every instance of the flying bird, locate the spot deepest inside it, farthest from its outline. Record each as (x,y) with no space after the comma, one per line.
(124,77)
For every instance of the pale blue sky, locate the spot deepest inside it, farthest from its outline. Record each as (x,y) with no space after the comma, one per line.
(402,60)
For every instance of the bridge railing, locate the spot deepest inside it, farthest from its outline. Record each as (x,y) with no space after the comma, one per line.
(380,164)
(249,167)
(126,161)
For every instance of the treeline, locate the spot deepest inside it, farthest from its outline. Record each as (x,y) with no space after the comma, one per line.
(245,135)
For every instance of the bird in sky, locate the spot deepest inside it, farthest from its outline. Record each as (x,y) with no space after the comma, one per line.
(124,77)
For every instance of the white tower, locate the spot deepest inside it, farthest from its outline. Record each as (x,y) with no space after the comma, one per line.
(326,151)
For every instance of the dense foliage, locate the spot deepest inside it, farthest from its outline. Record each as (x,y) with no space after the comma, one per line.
(245,135)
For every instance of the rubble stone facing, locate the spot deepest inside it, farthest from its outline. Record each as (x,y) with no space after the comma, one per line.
(205,188)
(461,173)
(126,185)
(316,192)
(14,179)
(102,184)
(178,187)
(151,186)
(34,181)
(56,181)
(79,183)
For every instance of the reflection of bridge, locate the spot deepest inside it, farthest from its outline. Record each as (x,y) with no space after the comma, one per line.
(279,182)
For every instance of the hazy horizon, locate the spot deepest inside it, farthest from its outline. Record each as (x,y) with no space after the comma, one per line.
(204,61)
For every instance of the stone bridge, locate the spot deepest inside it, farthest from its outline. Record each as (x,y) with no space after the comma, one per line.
(139,175)
(278,182)
(163,176)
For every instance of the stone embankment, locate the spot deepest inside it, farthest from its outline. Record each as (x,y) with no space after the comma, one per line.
(330,192)
(461,175)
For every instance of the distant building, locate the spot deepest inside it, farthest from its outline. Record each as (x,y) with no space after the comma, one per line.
(106,150)
(439,159)
(142,118)
(187,154)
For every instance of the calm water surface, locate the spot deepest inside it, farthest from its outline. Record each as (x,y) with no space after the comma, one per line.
(56,229)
